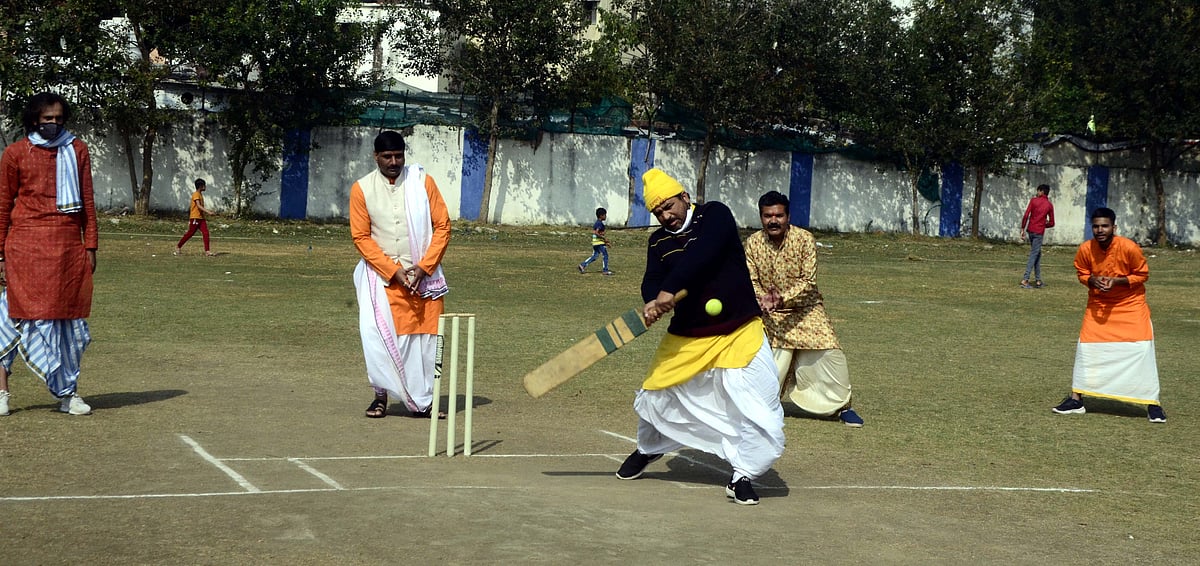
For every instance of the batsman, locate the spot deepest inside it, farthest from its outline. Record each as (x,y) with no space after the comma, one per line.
(711,385)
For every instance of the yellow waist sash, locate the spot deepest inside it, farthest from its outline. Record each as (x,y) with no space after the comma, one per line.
(680,358)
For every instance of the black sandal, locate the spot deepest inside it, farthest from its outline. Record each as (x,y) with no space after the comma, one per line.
(427,413)
(378,408)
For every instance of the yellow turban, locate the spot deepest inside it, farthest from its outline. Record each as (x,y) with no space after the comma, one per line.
(657,187)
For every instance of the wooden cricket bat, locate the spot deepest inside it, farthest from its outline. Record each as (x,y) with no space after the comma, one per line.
(588,351)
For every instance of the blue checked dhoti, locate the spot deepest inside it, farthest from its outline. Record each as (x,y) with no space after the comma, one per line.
(52,349)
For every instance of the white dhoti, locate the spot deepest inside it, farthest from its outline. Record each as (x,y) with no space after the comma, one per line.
(817,381)
(732,413)
(1124,371)
(402,365)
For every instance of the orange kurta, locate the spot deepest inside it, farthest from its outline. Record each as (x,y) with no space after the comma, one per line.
(48,272)
(1120,314)
(194,212)
(411,313)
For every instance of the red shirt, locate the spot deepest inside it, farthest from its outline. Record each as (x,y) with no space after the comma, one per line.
(1039,215)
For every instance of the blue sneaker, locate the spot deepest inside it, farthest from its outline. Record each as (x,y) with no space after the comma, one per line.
(850,418)
(1155,414)
(1070,406)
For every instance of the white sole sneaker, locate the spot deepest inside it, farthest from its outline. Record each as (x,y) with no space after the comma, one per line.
(74,405)
(4,396)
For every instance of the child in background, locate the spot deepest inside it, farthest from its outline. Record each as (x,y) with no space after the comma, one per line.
(599,243)
(197,219)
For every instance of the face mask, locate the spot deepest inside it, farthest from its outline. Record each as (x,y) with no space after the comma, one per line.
(49,130)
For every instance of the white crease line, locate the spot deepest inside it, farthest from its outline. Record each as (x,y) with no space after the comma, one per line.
(920,488)
(220,466)
(422,456)
(328,480)
(518,488)
(879,487)
(257,492)
(957,488)
(673,455)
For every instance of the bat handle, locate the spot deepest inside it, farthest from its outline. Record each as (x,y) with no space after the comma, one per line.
(680,295)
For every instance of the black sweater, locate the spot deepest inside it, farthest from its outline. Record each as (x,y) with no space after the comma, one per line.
(708,260)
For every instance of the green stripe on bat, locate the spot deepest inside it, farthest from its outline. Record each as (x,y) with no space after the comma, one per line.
(606,339)
(610,336)
(634,322)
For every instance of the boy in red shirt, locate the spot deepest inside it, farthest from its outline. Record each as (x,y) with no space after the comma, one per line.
(1039,215)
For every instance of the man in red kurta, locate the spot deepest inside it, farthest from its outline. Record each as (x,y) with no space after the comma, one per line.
(401,227)
(48,244)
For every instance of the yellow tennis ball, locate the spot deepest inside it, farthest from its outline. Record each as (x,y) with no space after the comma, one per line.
(713,307)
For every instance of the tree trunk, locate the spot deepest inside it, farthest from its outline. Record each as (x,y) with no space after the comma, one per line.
(975,205)
(1160,197)
(915,177)
(703,174)
(142,205)
(127,139)
(237,166)
(238,179)
(489,173)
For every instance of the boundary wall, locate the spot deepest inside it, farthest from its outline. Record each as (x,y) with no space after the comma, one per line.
(562,178)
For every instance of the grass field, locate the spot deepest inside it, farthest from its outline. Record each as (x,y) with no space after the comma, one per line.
(249,362)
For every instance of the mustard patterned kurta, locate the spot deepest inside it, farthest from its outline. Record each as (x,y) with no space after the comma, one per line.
(801,324)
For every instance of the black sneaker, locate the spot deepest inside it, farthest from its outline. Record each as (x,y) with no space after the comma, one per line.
(1156,414)
(742,492)
(1070,406)
(635,464)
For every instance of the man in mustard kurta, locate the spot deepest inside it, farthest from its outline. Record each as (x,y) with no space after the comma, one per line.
(783,268)
(401,227)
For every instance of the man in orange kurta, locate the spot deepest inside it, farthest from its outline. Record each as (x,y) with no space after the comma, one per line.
(48,242)
(401,227)
(1115,355)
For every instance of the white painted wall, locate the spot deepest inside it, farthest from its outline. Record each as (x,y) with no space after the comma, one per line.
(567,176)
(561,181)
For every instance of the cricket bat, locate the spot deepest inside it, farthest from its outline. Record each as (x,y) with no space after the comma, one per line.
(594,347)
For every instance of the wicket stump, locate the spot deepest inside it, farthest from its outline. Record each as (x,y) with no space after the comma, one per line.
(452,401)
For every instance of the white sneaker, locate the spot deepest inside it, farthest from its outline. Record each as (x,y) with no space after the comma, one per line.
(4,403)
(74,405)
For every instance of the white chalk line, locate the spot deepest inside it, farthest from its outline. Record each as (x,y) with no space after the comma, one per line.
(675,455)
(874,487)
(328,480)
(220,466)
(334,486)
(259,492)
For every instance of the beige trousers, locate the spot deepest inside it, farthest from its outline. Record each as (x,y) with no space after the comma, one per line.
(817,381)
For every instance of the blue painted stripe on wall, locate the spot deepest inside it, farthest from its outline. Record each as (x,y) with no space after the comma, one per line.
(800,189)
(293,182)
(474,170)
(950,225)
(641,159)
(1097,195)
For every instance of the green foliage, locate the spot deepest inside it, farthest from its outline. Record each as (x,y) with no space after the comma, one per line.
(285,65)
(508,53)
(513,55)
(1132,65)
(108,58)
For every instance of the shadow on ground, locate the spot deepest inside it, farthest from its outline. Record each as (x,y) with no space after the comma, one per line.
(126,399)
